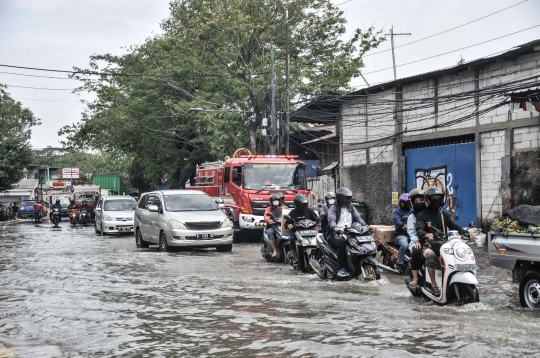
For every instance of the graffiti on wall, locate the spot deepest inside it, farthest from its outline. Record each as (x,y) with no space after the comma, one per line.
(441,178)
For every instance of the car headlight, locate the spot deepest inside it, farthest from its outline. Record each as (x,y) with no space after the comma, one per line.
(227,223)
(175,224)
(108,218)
(461,253)
(248,219)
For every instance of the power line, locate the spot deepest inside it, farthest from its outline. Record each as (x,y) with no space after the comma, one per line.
(446,53)
(445,31)
(27,75)
(41,88)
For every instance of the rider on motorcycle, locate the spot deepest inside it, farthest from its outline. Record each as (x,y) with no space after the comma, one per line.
(56,205)
(401,237)
(417,199)
(72,205)
(340,216)
(275,208)
(430,221)
(330,199)
(300,212)
(317,207)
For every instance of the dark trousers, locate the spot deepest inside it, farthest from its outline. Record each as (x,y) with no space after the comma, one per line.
(416,257)
(338,243)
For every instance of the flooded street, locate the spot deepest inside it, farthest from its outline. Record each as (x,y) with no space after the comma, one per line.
(68,292)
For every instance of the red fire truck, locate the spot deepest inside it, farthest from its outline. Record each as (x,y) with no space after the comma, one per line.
(246,181)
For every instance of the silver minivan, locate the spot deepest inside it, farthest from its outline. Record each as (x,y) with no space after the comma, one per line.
(181,218)
(115,214)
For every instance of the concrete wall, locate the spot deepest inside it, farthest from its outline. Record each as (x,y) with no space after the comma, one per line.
(500,133)
(525,178)
(369,184)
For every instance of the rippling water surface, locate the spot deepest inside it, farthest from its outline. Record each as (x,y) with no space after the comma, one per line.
(67,292)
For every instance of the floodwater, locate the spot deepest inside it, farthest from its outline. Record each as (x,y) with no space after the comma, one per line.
(68,292)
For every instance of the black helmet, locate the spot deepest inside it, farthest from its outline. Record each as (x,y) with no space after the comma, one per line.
(300,202)
(434,197)
(404,202)
(344,196)
(274,197)
(416,193)
(329,196)
(72,201)
(57,201)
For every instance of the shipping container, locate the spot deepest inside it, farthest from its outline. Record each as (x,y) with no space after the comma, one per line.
(109,182)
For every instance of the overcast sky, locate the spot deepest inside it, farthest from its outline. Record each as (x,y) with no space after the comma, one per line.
(60,34)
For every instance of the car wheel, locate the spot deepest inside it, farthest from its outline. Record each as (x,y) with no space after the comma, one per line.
(163,244)
(95,227)
(529,290)
(224,248)
(139,241)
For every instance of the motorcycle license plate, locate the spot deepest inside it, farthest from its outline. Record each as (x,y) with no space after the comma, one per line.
(467,267)
(205,236)
(307,232)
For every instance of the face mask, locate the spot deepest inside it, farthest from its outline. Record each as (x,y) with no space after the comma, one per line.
(407,206)
(419,206)
(319,205)
(331,201)
(275,202)
(435,204)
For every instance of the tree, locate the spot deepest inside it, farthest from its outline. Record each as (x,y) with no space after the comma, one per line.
(15,131)
(214,54)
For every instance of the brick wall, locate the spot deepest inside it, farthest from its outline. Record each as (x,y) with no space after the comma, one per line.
(491,152)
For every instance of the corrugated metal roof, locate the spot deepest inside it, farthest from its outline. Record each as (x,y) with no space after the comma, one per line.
(27,184)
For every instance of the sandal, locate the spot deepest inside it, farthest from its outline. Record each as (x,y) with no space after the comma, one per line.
(436,291)
(295,263)
(413,284)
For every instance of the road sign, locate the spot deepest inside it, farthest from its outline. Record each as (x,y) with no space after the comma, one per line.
(71,173)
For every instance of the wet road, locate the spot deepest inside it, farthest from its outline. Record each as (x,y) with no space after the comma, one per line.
(67,292)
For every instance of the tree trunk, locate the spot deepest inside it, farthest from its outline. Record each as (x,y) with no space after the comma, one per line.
(252,140)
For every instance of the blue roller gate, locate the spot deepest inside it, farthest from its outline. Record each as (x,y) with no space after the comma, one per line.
(451,167)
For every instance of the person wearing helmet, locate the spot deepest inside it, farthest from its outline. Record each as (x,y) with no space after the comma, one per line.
(300,212)
(275,209)
(72,205)
(340,216)
(56,205)
(418,203)
(330,199)
(401,237)
(429,222)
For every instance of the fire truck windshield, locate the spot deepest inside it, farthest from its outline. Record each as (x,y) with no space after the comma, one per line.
(274,176)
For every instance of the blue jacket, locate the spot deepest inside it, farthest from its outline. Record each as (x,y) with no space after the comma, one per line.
(334,213)
(396,217)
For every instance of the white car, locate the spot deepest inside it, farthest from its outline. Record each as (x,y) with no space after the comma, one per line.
(115,214)
(181,218)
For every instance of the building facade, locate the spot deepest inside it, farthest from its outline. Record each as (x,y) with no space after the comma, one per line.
(472,129)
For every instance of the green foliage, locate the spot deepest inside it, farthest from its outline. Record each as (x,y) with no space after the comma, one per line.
(15,131)
(214,54)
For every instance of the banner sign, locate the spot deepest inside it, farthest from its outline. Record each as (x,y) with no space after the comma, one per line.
(70,173)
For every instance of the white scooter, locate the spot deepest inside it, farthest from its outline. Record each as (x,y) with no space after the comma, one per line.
(455,274)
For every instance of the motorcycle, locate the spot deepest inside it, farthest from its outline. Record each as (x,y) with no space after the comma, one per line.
(37,216)
(361,250)
(389,253)
(73,216)
(283,244)
(455,272)
(55,216)
(84,217)
(305,235)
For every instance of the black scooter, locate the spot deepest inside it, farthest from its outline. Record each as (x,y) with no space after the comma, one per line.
(283,245)
(84,217)
(55,216)
(361,250)
(305,233)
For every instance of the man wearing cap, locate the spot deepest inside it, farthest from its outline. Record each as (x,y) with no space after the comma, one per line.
(318,206)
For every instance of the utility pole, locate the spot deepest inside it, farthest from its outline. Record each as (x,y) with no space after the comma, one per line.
(392,34)
(287,82)
(273,108)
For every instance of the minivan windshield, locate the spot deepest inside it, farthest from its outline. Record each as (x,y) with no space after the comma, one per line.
(189,202)
(119,205)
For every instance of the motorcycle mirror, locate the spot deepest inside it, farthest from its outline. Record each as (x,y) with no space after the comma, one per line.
(268,214)
(288,217)
(405,218)
(471,224)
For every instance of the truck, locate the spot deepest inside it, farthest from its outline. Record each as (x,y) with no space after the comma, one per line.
(246,181)
(88,192)
(111,183)
(520,253)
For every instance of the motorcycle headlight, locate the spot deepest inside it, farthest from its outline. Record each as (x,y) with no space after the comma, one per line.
(227,223)
(175,224)
(108,218)
(461,253)
(305,242)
